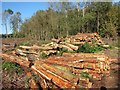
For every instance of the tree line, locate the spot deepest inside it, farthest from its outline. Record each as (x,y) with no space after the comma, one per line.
(62,19)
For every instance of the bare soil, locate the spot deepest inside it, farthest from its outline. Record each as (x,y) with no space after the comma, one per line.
(112,80)
(13,81)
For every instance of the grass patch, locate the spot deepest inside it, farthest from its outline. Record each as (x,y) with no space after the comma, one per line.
(12,67)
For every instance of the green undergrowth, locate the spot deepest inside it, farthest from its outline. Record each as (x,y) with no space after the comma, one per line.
(87,48)
(43,55)
(12,67)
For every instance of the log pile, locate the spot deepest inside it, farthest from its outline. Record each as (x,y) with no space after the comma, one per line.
(71,44)
(8,46)
(81,38)
(72,70)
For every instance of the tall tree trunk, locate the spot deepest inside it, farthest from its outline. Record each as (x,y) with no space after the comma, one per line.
(83,13)
(6,30)
(98,23)
(78,7)
(66,25)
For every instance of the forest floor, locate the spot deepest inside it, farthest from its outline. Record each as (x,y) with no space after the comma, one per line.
(109,81)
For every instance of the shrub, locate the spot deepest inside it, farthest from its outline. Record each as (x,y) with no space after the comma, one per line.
(87,48)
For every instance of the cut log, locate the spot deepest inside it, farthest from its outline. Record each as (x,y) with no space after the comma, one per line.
(45,48)
(66,47)
(33,84)
(15,59)
(20,52)
(56,40)
(77,43)
(106,46)
(23,52)
(59,81)
(36,47)
(25,47)
(72,46)
(66,75)
(49,52)
(89,65)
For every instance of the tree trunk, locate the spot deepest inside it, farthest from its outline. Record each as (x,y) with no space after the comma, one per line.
(83,12)
(78,7)
(98,23)
(6,30)
(66,25)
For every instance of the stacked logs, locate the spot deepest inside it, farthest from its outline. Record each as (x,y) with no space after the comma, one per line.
(95,64)
(71,44)
(72,70)
(81,38)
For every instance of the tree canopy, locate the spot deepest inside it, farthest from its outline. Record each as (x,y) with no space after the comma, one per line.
(66,18)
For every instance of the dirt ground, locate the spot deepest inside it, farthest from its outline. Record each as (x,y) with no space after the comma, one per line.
(112,80)
(13,81)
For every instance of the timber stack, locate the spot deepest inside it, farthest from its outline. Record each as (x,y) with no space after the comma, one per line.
(81,38)
(71,70)
(71,44)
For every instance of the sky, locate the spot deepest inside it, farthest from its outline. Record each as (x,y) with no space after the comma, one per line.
(27,9)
